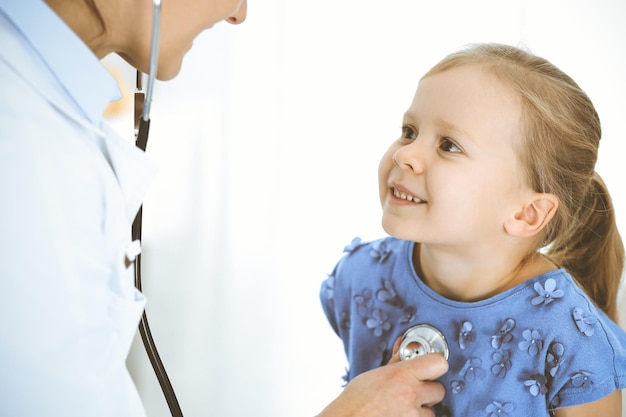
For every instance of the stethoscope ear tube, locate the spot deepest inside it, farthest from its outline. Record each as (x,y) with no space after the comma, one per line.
(142,128)
(154,58)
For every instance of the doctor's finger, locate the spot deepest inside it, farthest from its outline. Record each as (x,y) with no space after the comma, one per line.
(422,368)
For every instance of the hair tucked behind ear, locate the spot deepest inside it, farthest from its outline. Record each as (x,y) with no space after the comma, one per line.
(558,152)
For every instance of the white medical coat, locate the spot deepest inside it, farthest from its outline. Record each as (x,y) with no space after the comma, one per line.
(69,190)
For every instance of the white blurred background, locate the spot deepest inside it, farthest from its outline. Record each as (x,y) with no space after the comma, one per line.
(268,144)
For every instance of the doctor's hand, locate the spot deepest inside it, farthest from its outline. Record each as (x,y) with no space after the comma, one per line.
(399,389)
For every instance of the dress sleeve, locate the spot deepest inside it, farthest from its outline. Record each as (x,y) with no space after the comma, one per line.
(591,362)
(336,293)
(327,298)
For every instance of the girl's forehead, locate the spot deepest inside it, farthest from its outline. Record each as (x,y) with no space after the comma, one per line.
(466,90)
(469,100)
(475,79)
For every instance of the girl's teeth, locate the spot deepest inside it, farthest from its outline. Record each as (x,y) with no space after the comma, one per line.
(403,196)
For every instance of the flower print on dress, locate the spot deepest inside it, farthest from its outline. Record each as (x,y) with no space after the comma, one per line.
(388,294)
(532,342)
(501,363)
(457,387)
(547,293)
(537,385)
(466,334)
(504,334)
(363,301)
(553,358)
(584,322)
(380,251)
(344,320)
(472,370)
(408,313)
(354,245)
(378,322)
(499,409)
(582,379)
(328,288)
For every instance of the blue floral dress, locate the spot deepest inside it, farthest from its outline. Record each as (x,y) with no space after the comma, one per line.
(525,352)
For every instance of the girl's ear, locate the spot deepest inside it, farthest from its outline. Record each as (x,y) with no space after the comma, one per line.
(533,216)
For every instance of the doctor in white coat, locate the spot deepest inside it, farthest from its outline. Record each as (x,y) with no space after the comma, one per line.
(69,190)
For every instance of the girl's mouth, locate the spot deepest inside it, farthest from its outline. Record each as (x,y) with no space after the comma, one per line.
(404,196)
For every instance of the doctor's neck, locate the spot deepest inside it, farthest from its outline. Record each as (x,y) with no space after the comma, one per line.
(84,18)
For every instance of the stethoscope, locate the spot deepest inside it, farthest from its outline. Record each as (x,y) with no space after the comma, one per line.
(418,340)
(143,103)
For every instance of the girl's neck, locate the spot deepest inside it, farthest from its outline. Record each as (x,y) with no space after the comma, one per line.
(473,279)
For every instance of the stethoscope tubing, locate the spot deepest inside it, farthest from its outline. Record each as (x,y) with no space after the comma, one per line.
(142,128)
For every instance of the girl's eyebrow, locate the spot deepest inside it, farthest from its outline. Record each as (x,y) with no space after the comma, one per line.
(452,127)
(439,122)
(442,124)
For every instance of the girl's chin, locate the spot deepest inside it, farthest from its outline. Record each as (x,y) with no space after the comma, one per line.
(395,228)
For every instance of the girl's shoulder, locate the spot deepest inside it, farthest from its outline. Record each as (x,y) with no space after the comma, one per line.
(364,260)
(379,250)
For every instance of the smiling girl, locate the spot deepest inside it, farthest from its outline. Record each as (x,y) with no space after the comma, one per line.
(503,238)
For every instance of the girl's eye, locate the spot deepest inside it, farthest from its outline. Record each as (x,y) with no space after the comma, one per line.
(448,146)
(408,133)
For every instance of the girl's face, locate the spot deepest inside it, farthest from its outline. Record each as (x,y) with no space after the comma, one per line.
(453,177)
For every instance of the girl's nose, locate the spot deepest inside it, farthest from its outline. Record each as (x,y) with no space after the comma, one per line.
(410,157)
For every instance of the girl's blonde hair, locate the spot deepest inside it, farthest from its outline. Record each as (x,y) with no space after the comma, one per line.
(559,147)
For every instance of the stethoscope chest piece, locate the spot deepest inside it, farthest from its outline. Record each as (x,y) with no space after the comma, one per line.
(420,340)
